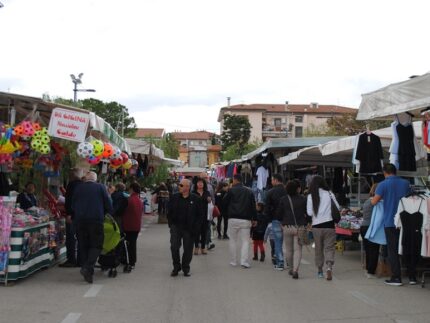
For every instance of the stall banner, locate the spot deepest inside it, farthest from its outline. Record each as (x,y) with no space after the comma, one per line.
(68,124)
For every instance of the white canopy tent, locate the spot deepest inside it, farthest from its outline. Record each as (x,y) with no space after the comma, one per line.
(411,96)
(144,148)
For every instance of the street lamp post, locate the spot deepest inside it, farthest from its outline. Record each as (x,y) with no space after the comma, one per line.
(76,81)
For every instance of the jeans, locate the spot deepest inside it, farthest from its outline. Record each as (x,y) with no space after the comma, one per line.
(90,236)
(222,218)
(372,252)
(392,235)
(71,245)
(239,229)
(278,235)
(179,236)
(131,238)
(201,235)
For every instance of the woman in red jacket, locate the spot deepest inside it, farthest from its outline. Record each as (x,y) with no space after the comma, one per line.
(131,222)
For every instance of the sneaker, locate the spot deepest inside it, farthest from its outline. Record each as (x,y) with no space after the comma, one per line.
(412,280)
(295,275)
(279,268)
(394,282)
(87,276)
(233,264)
(245,265)
(329,275)
(174,273)
(370,276)
(320,274)
(225,237)
(187,274)
(211,246)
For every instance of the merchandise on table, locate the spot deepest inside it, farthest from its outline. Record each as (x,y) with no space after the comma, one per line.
(350,219)
(30,217)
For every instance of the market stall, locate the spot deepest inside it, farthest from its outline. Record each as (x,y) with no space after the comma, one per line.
(38,141)
(402,102)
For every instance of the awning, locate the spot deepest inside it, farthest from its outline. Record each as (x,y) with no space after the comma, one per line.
(280,143)
(190,171)
(173,162)
(139,146)
(42,110)
(411,96)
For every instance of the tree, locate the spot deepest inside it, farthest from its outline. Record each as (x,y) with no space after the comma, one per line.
(236,131)
(233,152)
(170,146)
(347,125)
(111,112)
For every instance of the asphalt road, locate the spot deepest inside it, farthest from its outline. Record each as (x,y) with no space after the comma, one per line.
(216,292)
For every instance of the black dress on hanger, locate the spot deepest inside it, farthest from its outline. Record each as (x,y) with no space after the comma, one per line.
(369,153)
(406,148)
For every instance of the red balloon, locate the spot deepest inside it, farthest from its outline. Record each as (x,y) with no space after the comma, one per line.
(116,162)
(124,157)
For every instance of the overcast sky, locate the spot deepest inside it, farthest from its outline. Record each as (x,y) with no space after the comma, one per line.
(174,62)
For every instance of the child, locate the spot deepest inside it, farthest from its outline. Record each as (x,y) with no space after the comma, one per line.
(257,233)
(269,234)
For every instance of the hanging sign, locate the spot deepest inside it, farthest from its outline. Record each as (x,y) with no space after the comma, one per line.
(69,124)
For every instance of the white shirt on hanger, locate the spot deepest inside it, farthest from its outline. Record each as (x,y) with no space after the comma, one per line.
(262,174)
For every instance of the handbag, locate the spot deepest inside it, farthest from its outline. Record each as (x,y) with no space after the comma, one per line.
(302,234)
(335,213)
(216,213)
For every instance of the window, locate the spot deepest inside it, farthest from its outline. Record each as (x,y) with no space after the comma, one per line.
(299,119)
(299,132)
(277,122)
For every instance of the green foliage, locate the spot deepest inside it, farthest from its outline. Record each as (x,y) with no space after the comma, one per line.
(111,112)
(160,174)
(236,131)
(235,152)
(170,146)
(347,125)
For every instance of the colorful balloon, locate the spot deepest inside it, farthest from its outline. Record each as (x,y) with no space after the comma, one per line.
(45,149)
(116,153)
(98,147)
(127,164)
(107,151)
(93,160)
(124,157)
(85,149)
(18,130)
(116,162)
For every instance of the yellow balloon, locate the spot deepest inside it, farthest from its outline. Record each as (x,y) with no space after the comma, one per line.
(127,164)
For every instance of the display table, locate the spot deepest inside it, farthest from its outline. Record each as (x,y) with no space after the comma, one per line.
(30,251)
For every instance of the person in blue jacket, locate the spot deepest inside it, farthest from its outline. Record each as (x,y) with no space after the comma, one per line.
(90,203)
(391,190)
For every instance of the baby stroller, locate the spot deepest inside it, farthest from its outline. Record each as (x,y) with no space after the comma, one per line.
(114,247)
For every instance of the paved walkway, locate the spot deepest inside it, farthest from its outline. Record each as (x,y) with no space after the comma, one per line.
(215,292)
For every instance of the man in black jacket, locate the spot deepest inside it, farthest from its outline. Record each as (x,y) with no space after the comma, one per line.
(72,249)
(241,209)
(273,198)
(184,216)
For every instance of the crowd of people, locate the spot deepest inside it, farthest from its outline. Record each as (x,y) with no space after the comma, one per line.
(86,203)
(285,218)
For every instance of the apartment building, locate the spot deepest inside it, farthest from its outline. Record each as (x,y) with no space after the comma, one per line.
(284,120)
(196,148)
(156,134)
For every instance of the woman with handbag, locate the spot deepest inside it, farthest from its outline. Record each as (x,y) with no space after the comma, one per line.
(292,208)
(320,204)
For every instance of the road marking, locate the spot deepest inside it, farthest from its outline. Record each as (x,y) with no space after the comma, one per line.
(71,318)
(93,291)
(305,262)
(363,298)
